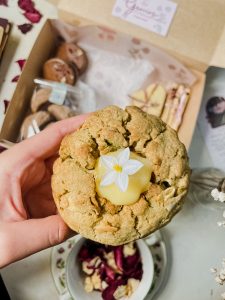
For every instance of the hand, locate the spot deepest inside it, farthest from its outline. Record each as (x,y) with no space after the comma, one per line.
(28,215)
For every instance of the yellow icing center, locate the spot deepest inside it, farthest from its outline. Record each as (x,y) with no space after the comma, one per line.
(118,168)
(138,182)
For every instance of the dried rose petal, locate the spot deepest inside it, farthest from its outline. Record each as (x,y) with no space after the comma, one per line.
(26,5)
(107,294)
(4,2)
(84,254)
(21,63)
(24,28)
(33,17)
(6,104)
(126,267)
(118,254)
(2,149)
(109,272)
(16,78)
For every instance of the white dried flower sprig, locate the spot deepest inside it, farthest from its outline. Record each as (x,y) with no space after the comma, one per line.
(217,195)
(219,275)
(119,168)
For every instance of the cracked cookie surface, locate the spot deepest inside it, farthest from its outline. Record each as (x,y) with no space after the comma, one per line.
(73,181)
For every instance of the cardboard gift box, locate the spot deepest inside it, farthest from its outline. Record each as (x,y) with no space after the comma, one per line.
(196,38)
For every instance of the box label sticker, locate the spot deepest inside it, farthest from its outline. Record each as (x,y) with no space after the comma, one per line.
(154,15)
(58,94)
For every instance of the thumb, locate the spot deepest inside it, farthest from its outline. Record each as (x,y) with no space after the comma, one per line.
(30,236)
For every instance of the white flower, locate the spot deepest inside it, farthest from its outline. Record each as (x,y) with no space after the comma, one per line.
(119,168)
(222,197)
(215,194)
(221,223)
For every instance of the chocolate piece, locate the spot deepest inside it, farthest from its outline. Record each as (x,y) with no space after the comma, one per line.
(56,69)
(60,112)
(42,118)
(73,54)
(39,98)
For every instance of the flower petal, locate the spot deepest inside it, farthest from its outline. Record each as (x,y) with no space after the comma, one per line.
(122,181)
(16,78)
(132,166)
(4,2)
(24,28)
(108,161)
(6,105)
(33,17)
(109,178)
(21,62)
(124,156)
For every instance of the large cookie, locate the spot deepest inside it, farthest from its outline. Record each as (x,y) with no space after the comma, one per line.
(73,181)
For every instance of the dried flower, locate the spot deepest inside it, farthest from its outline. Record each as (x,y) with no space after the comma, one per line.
(21,63)
(24,28)
(4,2)
(33,17)
(218,194)
(31,13)
(6,105)
(15,79)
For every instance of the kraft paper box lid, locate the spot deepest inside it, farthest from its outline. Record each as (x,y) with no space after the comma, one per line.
(196,35)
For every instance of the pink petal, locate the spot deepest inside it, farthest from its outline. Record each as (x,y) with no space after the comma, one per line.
(26,5)
(6,104)
(33,17)
(24,28)
(21,63)
(4,2)
(16,78)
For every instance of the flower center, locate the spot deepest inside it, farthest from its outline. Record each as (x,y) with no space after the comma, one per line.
(117,168)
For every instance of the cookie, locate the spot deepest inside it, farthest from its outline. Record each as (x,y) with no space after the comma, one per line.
(39,98)
(60,112)
(37,121)
(74,180)
(73,54)
(56,69)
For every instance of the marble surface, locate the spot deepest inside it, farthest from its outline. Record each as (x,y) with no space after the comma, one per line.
(196,242)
